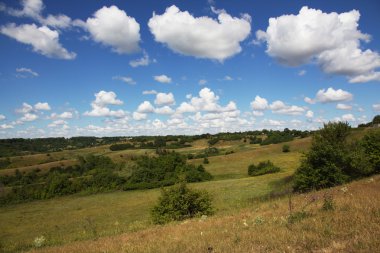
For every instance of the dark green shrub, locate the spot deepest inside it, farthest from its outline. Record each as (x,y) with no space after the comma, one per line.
(371,145)
(179,203)
(332,160)
(205,160)
(285,148)
(262,168)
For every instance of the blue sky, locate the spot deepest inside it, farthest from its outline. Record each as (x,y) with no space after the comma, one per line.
(185,67)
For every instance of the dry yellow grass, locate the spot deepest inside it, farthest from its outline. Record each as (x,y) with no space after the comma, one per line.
(353,226)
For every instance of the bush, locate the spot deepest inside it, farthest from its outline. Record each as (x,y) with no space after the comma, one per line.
(179,203)
(332,160)
(286,148)
(371,146)
(262,168)
(206,161)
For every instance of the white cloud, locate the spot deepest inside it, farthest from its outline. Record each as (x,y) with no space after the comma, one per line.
(348,117)
(42,106)
(228,78)
(164,110)
(202,82)
(309,100)
(164,99)
(163,79)
(332,39)
(56,123)
(376,107)
(280,108)
(42,39)
(64,115)
(259,104)
(343,106)
(112,27)
(145,107)
(29,117)
(302,72)
(26,108)
(309,114)
(6,126)
(33,9)
(149,92)
(143,61)
(202,37)
(330,95)
(258,113)
(139,116)
(2,117)
(106,98)
(207,102)
(125,79)
(26,70)
(102,100)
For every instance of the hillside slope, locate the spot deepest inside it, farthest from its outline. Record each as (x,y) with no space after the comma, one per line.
(352,226)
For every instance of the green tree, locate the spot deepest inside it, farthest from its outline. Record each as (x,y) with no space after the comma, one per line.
(323,165)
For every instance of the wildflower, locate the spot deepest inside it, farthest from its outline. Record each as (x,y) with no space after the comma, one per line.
(245,223)
(39,241)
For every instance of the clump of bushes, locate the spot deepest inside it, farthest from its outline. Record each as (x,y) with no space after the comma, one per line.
(262,168)
(179,203)
(334,160)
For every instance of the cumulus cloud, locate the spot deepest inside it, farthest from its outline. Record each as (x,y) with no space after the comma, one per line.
(42,106)
(332,40)
(145,107)
(281,108)
(208,102)
(100,105)
(125,79)
(2,117)
(259,105)
(42,39)
(6,126)
(164,99)
(331,95)
(201,37)
(309,114)
(33,9)
(164,110)
(163,79)
(28,117)
(343,106)
(26,108)
(143,61)
(139,116)
(64,115)
(112,27)
(57,123)
(376,107)
(348,117)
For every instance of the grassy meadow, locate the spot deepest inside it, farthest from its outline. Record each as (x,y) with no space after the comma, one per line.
(79,217)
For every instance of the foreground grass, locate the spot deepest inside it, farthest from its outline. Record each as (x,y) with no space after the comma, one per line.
(353,226)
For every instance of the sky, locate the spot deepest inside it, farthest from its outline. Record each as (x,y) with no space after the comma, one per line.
(126,68)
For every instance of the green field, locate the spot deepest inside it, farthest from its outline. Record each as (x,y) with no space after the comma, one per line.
(78,217)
